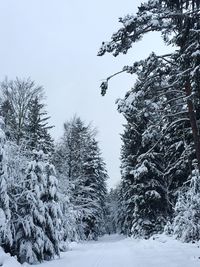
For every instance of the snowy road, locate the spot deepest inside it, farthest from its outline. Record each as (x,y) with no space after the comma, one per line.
(117,251)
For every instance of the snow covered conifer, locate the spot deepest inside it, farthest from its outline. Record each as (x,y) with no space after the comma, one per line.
(186,224)
(6,111)
(37,128)
(34,239)
(30,239)
(5,214)
(143,186)
(83,174)
(112,211)
(149,197)
(94,189)
(53,213)
(178,23)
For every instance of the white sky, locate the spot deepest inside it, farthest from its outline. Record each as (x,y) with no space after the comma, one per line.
(55,42)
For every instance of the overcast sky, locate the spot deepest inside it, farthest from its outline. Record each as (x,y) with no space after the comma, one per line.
(55,42)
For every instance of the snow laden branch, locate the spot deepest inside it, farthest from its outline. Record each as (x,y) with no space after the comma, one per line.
(151,16)
(163,135)
(156,68)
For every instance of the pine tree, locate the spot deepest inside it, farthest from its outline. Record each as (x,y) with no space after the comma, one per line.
(174,78)
(178,22)
(152,153)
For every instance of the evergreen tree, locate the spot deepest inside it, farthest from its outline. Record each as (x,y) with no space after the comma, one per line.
(155,160)
(53,214)
(7,113)
(31,224)
(143,186)
(36,222)
(122,226)
(178,21)
(169,82)
(178,155)
(5,214)
(93,183)
(187,216)
(68,160)
(112,211)
(83,174)
(37,128)
(29,241)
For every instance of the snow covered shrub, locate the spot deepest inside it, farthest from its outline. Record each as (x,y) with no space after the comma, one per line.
(186,225)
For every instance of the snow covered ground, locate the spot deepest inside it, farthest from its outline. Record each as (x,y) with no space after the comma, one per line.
(7,261)
(117,251)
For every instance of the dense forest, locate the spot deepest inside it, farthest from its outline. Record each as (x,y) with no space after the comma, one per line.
(53,193)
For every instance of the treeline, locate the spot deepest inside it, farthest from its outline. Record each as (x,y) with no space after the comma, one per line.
(160,186)
(50,194)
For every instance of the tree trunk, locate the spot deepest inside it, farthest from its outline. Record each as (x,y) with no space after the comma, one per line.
(193,122)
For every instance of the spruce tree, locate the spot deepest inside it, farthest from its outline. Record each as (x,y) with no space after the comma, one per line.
(5,214)
(53,214)
(7,112)
(37,128)
(143,186)
(82,172)
(29,240)
(187,216)
(93,182)
(35,237)
(112,211)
